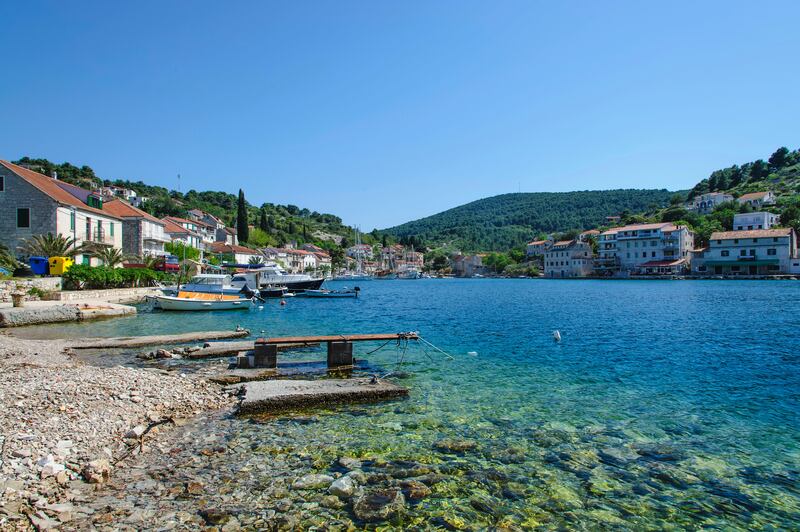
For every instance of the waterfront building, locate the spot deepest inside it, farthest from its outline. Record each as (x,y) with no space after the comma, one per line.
(757,199)
(178,233)
(239,254)
(706,203)
(642,249)
(142,233)
(34,204)
(300,260)
(754,220)
(756,252)
(568,258)
(467,265)
(537,248)
(362,250)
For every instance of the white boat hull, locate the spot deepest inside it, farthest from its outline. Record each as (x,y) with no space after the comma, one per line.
(182,303)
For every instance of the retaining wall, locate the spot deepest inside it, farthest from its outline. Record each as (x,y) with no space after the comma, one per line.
(46,284)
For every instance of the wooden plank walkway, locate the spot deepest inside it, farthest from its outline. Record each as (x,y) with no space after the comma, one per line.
(337,338)
(141,341)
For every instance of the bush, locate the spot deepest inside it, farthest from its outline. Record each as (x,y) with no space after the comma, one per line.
(80,276)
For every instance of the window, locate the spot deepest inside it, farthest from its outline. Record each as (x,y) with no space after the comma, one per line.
(72,221)
(755,241)
(775,239)
(111,228)
(719,242)
(742,252)
(771,251)
(752,253)
(735,240)
(2,183)
(652,253)
(24,218)
(749,227)
(725,253)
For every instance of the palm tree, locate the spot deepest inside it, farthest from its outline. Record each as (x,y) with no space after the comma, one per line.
(50,245)
(111,257)
(255,259)
(150,261)
(7,259)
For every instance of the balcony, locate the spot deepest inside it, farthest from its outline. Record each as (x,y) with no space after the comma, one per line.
(99,236)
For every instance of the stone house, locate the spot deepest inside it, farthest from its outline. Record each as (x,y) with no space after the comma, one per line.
(35,204)
(143,234)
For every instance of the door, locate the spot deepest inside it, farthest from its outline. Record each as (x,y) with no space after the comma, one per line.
(753,270)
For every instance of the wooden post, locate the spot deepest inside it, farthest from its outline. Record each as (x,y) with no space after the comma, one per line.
(265,355)
(340,354)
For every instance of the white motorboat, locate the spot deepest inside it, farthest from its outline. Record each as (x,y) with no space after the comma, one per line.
(272,275)
(197,303)
(330,293)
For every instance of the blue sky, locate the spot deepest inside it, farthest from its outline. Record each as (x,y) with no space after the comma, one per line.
(385,112)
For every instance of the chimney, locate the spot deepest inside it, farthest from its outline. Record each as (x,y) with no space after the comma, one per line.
(54,174)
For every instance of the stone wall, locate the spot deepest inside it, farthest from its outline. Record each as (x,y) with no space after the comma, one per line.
(45,284)
(113,295)
(18,193)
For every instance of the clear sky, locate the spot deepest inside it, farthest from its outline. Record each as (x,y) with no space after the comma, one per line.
(383,112)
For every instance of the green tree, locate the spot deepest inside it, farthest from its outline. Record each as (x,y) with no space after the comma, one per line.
(180,250)
(778,159)
(759,170)
(242,228)
(111,257)
(263,222)
(7,259)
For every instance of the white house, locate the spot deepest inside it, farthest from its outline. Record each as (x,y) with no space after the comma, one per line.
(241,254)
(568,258)
(757,199)
(756,252)
(34,204)
(178,233)
(659,248)
(301,260)
(537,247)
(706,203)
(754,220)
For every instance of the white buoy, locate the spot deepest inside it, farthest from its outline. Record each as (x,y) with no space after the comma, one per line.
(472,353)
(261,307)
(556,335)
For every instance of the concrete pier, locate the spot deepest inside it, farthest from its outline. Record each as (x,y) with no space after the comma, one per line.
(264,397)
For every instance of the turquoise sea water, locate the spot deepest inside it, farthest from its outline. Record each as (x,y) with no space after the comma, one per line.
(666,404)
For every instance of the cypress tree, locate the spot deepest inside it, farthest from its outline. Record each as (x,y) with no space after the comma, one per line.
(242,230)
(263,222)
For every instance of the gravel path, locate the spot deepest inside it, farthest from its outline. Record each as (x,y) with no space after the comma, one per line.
(65,424)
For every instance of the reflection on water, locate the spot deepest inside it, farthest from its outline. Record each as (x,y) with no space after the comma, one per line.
(666,404)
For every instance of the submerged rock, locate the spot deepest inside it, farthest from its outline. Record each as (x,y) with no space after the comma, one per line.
(343,487)
(414,489)
(310,482)
(379,505)
(455,446)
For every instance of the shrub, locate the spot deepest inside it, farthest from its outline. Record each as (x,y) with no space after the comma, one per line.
(80,276)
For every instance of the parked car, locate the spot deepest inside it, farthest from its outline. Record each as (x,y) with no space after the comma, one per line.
(168,264)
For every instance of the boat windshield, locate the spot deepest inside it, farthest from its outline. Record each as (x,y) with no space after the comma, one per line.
(211,279)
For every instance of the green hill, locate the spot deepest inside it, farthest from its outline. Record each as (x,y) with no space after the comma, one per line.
(509,220)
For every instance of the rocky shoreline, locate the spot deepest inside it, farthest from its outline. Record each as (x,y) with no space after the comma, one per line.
(66,425)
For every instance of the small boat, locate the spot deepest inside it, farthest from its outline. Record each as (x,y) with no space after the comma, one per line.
(274,292)
(330,293)
(194,303)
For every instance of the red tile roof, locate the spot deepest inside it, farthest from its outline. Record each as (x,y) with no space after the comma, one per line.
(172,227)
(222,247)
(753,196)
(657,263)
(51,188)
(124,209)
(537,242)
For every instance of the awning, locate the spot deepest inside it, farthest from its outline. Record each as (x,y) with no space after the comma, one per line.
(661,263)
(764,262)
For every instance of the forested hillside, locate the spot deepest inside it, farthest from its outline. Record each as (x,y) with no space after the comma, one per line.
(509,220)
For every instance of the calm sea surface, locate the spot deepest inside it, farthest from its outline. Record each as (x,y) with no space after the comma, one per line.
(666,404)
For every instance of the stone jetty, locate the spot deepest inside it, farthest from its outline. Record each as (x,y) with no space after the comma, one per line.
(276,395)
(38,312)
